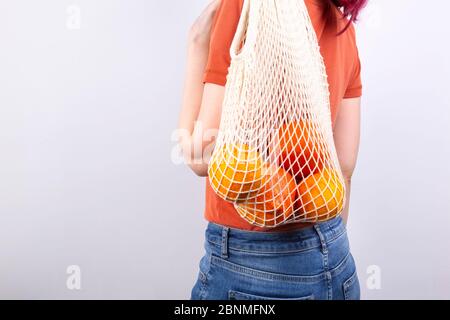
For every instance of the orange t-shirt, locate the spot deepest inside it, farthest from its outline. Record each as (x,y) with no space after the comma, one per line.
(342,65)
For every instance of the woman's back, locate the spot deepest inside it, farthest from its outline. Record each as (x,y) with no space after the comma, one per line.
(341,60)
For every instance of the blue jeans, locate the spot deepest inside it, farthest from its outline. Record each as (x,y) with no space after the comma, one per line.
(306,264)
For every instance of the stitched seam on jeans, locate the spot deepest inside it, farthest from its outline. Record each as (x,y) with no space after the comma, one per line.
(337,270)
(336,237)
(234,294)
(347,284)
(267,252)
(350,281)
(263,274)
(202,293)
(280,253)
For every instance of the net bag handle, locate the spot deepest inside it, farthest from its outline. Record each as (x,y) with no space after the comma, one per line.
(246,30)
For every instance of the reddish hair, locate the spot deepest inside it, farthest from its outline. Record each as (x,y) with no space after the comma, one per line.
(350,9)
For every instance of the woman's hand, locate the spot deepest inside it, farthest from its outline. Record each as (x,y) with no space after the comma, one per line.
(200,31)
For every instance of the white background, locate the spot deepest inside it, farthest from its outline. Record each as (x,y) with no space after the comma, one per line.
(87,178)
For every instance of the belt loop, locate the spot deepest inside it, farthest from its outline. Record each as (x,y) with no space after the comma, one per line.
(322,239)
(225,232)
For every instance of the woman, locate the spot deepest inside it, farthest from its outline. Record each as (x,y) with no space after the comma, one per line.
(294,261)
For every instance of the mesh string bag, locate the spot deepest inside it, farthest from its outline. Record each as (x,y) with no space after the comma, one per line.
(274,157)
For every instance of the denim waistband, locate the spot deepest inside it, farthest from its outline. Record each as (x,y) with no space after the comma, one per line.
(317,235)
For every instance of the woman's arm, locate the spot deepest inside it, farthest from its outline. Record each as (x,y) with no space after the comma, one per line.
(346,139)
(201,106)
(207,127)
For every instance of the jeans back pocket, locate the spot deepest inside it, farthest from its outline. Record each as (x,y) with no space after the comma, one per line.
(236,295)
(351,288)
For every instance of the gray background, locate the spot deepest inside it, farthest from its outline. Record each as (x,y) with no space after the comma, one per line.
(86,169)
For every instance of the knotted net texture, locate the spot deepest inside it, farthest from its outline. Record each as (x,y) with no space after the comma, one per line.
(275,157)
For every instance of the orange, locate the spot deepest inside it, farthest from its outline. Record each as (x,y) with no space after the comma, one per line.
(274,203)
(300,151)
(320,196)
(235,172)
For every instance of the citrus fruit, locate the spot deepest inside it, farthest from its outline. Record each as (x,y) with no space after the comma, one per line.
(274,203)
(299,150)
(235,172)
(320,196)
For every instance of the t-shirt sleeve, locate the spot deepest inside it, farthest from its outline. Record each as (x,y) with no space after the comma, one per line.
(354,88)
(222,34)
